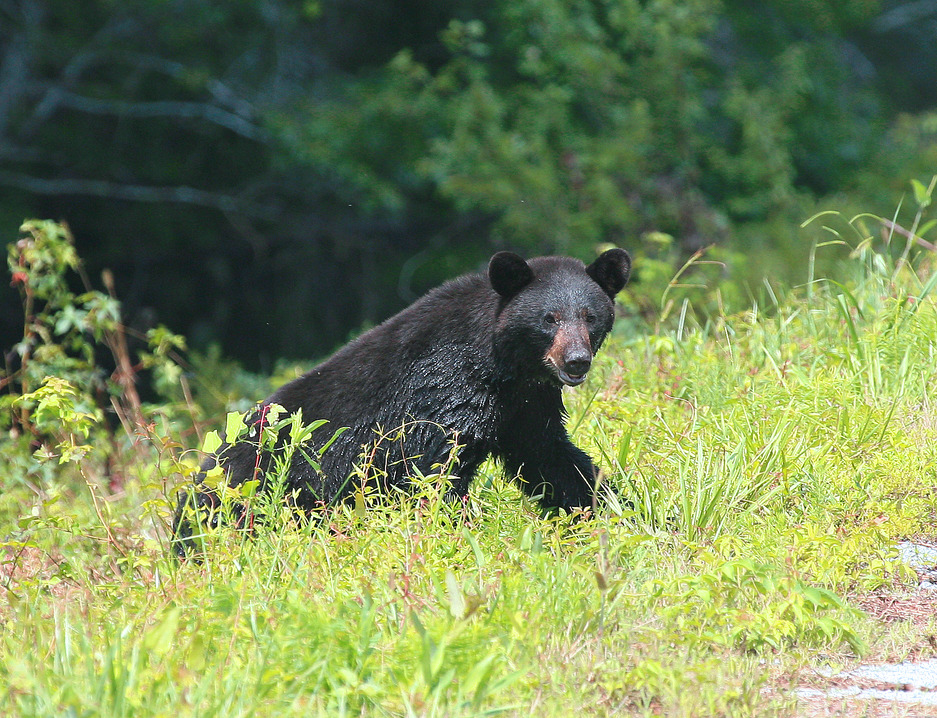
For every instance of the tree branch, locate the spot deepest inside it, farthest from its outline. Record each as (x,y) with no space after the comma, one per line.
(13,74)
(72,72)
(220,91)
(904,15)
(165,108)
(897,228)
(15,61)
(136,193)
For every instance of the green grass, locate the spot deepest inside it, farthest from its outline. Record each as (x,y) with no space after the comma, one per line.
(773,457)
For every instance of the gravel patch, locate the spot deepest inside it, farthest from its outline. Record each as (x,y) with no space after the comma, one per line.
(912,685)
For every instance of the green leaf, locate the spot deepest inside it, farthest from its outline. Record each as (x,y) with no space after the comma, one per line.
(476,549)
(477,679)
(161,637)
(249,488)
(196,658)
(274,411)
(921,193)
(331,441)
(456,599)
(211,443)
(213,476)
(234,426)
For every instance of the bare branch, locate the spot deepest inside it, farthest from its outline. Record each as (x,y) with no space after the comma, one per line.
(15,61)
(71,73)
(897,228)
(905,15)
(221,92)
(13,75)
(165,108)
(136,193)
(14,153)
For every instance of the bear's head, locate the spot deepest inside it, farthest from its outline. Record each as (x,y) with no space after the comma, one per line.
(554,312)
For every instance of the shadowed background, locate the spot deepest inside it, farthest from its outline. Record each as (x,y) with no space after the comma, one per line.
(270,176)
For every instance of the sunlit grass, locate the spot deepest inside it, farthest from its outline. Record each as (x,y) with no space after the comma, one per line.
(766,462)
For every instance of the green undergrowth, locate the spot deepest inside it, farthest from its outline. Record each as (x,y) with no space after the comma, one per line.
(765,464)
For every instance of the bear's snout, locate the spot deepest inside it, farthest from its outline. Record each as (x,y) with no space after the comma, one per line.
(570,356)
(578,364)
(574,366)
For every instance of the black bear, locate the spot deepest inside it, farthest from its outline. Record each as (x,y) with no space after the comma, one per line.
(477,365)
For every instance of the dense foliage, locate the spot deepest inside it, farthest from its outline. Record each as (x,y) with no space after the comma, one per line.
(272,174)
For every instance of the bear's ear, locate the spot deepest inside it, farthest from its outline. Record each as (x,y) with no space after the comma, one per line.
(509,274)
(611,270)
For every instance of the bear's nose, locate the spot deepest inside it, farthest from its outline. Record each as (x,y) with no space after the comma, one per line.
(578,363)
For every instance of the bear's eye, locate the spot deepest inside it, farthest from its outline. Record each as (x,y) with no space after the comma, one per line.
(590,318)
(551,318)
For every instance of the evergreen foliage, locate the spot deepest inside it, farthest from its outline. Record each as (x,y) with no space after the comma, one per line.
(293,170)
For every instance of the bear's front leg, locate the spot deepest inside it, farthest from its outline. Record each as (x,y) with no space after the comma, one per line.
(537,452)
(560,476)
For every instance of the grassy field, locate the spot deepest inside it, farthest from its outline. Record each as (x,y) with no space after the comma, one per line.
(773,457)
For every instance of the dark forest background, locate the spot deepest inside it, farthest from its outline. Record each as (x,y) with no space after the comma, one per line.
(271,176)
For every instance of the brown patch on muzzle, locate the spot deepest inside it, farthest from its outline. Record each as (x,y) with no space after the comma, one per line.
(570,355)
